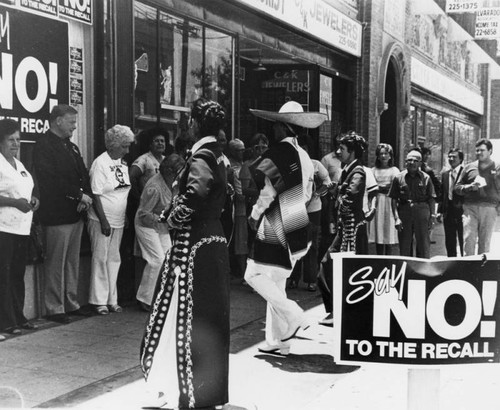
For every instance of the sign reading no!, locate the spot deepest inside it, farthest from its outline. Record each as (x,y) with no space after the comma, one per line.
(416,311)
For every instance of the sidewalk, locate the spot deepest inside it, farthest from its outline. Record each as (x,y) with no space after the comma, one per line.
(92,363)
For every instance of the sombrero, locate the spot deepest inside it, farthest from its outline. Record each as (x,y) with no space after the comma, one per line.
(292,113)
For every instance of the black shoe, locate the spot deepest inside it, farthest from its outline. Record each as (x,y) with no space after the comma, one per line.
(59,318)
(81,312)
(143,306)
(29,326)
(13,330)
(292,284)
(311,287)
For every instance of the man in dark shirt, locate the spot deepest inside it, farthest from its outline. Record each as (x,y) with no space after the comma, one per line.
(64,195)
(413,204)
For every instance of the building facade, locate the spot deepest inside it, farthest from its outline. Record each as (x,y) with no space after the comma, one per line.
(396,71)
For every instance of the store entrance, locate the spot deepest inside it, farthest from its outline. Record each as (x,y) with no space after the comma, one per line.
(388,119)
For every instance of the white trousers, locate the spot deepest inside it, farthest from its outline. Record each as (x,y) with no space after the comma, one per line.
(270,283)
(479,224)
(105,264)
(153,248)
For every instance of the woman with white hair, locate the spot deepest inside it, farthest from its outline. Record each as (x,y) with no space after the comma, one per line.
(110,183)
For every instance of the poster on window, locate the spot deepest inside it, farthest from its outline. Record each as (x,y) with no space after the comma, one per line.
(79,10)
(33,68)
(47,7)
(414,312)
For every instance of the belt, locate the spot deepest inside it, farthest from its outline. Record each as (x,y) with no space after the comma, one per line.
(412,202)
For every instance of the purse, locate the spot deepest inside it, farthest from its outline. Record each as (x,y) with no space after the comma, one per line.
(35,251)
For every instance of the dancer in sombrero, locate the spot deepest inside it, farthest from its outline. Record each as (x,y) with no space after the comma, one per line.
(284,175)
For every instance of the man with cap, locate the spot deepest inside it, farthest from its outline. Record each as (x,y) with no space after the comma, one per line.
(413,204)
(284,175)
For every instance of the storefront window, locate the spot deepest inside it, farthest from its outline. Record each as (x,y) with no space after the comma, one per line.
(448,138)
(219,68)
(178,61)
(466,137)
(434,139)
(145,62)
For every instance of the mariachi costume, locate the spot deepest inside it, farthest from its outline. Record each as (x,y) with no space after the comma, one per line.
(284,175)
(351,218)
(185,351)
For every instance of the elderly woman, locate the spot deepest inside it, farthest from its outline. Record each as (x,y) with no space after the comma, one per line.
(153,237)
(110,185)
(185,351)
(16,212)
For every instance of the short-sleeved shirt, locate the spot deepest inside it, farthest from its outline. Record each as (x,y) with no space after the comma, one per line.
(414,189)
(110,180)
(149,166)
(321,177)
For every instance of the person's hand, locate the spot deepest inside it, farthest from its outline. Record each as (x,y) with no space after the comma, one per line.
(333,228)
(399,225)
(432,221)
(369,215)
(87,200)
(105,228)
(35,203)
(253,223)
(473,187)
(439,218)
(23,205)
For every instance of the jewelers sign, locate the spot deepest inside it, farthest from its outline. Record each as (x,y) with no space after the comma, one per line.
(316,18)
(414,311)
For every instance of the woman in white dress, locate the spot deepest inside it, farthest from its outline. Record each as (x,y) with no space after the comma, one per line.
(382,230)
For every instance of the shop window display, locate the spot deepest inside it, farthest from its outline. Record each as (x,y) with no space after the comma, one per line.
(178,61)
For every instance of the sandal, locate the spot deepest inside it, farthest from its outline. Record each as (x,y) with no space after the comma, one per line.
(115,309)
(102,310)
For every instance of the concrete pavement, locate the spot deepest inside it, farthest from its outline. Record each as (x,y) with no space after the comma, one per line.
(92,363)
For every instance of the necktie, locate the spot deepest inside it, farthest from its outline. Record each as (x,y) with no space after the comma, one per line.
(453,177)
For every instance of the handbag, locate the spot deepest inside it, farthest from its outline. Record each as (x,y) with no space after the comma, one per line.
(35,251)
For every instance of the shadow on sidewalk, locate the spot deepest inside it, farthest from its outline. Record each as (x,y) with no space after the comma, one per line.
(306,363)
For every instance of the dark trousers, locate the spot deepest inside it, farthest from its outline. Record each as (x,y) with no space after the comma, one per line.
(453,229)
(325,277)
(12,267)
(415,221)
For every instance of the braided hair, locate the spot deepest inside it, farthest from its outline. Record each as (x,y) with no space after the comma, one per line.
(209,115)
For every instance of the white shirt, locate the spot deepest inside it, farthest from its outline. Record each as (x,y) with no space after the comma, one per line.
(15,183)
(110,180)
(454,172)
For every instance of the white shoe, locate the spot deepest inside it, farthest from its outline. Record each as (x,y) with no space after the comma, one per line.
(277,350)
(327,320)
(293,328)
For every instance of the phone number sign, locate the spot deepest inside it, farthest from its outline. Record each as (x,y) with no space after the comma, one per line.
(415,311)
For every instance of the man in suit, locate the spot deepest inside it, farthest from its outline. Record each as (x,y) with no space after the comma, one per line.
(450,205)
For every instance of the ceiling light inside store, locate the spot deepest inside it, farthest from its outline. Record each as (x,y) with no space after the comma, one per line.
(260,66)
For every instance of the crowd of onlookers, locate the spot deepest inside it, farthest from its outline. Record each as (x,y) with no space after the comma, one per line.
(383,205)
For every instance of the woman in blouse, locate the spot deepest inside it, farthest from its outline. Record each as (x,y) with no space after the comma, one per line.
(17,204)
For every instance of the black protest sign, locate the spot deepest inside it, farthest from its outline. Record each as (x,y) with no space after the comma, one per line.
(33,68)
(416,311)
